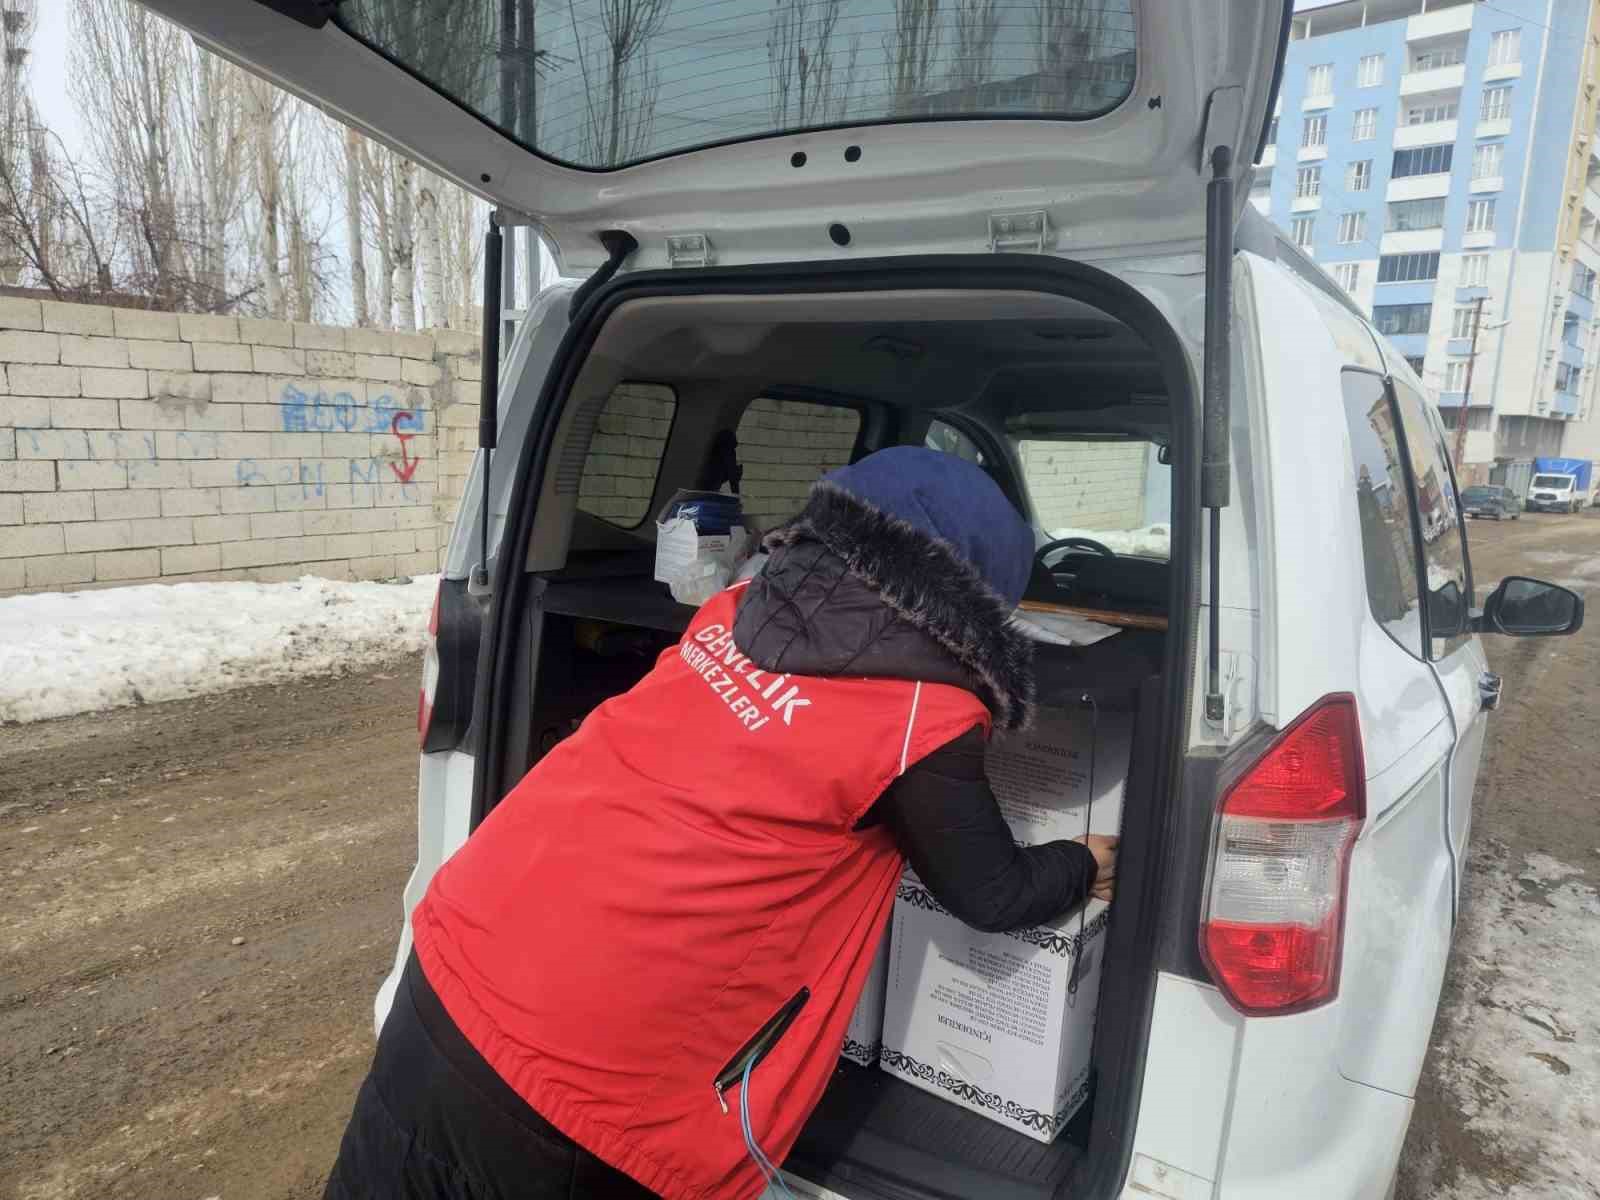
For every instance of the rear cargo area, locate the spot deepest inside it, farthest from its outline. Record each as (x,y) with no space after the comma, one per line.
(1069,410)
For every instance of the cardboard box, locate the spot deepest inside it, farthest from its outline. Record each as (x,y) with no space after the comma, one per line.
(1041,776)
(1003,1023)
(864,1039)
(999,1023)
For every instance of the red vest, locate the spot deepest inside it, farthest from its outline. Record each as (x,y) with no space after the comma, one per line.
(667,880)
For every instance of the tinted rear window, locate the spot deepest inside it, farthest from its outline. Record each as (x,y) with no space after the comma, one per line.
(605,83)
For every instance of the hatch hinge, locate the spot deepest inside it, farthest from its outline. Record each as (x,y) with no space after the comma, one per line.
(688,250)
(1019,233)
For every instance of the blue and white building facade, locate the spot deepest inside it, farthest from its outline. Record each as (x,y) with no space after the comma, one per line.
(1437,157)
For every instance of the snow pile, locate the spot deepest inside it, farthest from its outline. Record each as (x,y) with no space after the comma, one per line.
(73,652)
(1521,1058)
(1153,540)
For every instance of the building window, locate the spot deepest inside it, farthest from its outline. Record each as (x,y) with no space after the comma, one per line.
(1583,280)
(1398,320)
(1366,125)
(1572,331)
(1301,229)
(1314,132)
(1486,160)
(1424,160)
(1426,112)
(1474,271)
(1416,364)
(1347,275)
(1408,216)
(1408,268)
(1480,216)
(1307,183)
(1352,227)
(1319,80)
(1496,104)
(1564,378)
(1505,47)
(1369,72)
(1461,321)
(1358,177)
(1439,56)
(1455,375)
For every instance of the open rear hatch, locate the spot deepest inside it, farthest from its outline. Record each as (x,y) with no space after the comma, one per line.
(741,131)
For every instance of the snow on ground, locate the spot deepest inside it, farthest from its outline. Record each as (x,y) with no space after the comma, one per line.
(73,652)
(1153,540)
(1521,1057)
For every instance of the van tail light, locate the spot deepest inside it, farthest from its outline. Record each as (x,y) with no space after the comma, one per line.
(1273,931)
(430,674)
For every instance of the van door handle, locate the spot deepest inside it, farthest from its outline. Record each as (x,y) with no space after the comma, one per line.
(1490,686)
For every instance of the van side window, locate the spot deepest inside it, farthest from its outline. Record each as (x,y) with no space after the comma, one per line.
(1388,535)
(619,472)
(1449,593)
(784,447)
(948,439)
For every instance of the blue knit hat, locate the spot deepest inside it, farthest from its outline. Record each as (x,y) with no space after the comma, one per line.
(953,500)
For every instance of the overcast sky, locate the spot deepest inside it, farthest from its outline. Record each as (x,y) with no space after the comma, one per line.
(49,74)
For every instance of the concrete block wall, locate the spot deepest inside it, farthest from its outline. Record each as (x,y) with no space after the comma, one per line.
(138,446)
(784,447)
(624,458)
(1087,485)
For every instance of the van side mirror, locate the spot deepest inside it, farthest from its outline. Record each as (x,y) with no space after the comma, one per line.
(1523,607)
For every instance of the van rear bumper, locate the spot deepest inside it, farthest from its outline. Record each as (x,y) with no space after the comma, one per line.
(1238,1108)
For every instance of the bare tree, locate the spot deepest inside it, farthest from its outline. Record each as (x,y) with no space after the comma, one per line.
(375,173)
(122,70)
(265,103)
(16,116)
(354,242)
(808,86)
(976,25)
(911,50)
(403,242)
(430,238)
(211,120)
(1069,34)
(618,87)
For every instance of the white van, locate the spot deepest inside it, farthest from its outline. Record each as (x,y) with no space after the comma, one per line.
(1038,256)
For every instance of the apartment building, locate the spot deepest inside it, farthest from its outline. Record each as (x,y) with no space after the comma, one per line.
(1438,158)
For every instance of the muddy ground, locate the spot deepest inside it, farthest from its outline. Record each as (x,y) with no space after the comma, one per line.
(201,897)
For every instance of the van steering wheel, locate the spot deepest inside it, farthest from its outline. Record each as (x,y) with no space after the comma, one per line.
(1050,548)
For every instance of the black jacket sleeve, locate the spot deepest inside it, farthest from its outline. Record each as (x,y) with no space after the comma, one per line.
(948,825)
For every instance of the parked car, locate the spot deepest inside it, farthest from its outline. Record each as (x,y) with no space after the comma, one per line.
(1308,688)
(1491,500)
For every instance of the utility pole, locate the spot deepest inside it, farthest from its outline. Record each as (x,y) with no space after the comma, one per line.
(1466,394)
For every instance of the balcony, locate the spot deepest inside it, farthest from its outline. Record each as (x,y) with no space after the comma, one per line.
(1412,241)
(1440,79)
(1317,102)
(1510,70)
(1418,187)
(1269,156)
(1312,153)
(1440,23)
(1564,404)
(1434,133)
(1302,204)
(1495,127)
(1489,183)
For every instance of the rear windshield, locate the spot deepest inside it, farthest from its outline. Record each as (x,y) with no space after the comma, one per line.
(605,83)
(1552,481)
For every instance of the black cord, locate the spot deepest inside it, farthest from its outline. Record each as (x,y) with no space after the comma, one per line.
(1088,822)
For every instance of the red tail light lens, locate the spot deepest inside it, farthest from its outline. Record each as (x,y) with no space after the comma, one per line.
(430,675)
(1274,923)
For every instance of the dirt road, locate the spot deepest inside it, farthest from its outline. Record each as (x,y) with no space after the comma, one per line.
(144,1054)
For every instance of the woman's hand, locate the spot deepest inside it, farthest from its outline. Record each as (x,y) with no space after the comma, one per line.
(1104,850)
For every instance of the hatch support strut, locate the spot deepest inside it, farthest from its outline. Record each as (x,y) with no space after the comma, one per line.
(1214,400)
(488,392)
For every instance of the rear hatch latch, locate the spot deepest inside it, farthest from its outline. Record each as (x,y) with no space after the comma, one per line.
(1019,233)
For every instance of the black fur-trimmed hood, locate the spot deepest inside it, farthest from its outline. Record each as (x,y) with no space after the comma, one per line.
(852,590)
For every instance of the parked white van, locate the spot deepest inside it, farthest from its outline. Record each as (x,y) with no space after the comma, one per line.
(1039,257)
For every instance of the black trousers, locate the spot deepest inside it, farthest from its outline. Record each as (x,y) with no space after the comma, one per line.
(434,1122)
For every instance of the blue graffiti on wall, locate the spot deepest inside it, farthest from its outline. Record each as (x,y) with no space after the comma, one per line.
(318,412)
